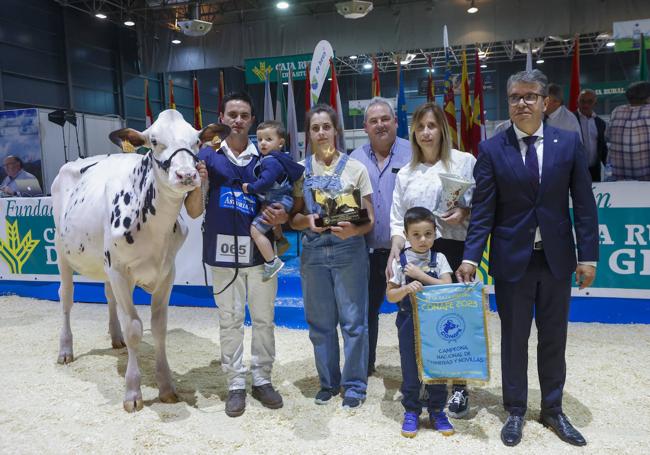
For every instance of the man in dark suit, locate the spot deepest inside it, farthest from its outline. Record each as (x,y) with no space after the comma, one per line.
(592,128)
(524,177)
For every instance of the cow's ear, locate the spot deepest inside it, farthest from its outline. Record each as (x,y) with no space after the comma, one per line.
(214,133)
(127,139)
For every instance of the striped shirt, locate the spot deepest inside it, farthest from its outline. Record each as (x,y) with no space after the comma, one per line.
(628,135)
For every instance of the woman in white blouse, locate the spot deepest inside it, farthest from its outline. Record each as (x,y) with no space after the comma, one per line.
(418,184)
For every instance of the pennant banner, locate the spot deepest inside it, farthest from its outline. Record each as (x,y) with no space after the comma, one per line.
(319,68)
(148,114)
(451,333)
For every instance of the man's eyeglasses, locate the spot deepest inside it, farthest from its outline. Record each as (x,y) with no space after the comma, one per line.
(529,98)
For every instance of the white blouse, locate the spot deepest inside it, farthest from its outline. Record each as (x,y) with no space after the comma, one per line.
(421,186)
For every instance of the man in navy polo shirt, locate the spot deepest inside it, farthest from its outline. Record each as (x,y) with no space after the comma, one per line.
(383,156)
(236,264)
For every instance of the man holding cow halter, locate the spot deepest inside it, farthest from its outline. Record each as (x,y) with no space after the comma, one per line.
(237,266)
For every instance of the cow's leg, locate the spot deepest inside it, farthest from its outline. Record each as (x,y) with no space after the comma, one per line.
(65,296)
(159,305)
(132,326)
(117,340)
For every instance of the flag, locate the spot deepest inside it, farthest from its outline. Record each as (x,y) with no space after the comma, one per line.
(198,120)
(172,103)
(307,92)
(643,61)
(280,103)
(449,103)
(292,121)
(402,121)
(148,115)
(465,109)
(431,94)
(222,91)
(478,116)
(574,88)
(335,102)
(529,58)
(268,102)
(376,88)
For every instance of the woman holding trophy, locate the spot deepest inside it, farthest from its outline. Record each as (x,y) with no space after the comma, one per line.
(438,178)
(333,208)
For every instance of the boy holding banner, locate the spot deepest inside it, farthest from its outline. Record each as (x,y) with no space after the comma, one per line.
(417,266)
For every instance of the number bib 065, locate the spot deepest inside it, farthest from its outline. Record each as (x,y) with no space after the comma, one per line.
(227,251)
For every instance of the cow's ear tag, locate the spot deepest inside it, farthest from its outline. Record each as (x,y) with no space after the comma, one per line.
(127,147)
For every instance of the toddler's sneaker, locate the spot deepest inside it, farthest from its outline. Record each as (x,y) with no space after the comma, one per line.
(270,269)
(441,423)
(410,424)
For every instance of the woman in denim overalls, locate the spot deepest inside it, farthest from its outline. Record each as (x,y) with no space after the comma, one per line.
(334,267)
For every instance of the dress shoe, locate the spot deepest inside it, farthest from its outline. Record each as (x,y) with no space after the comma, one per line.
(560,424)
(236,402)
(268,396)
(512,430)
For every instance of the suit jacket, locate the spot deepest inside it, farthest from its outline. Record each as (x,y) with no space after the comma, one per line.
(601,143)
(507,207)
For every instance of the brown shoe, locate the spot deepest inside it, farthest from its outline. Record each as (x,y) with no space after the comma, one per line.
(236,403)
(268,396)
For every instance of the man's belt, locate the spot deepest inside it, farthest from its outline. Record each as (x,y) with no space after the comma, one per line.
(379,250)
(538,246)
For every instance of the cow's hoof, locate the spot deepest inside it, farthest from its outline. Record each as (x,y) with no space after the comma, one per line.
(118,343)
(65,357)
(169,397)
(133,405)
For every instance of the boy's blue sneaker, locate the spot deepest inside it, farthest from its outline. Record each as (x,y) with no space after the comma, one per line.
(410,424)
(325,395)
(441,423)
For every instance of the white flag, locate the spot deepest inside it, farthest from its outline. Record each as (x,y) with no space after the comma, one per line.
(268,102)
(292,121)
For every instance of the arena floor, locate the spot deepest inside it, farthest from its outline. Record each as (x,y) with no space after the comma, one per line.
(49,408)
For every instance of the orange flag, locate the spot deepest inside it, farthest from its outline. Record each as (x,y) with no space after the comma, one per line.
(198,120)
(376,88)
(172,103)
(222,91)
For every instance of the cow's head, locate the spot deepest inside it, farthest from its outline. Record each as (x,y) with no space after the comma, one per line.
(174,144)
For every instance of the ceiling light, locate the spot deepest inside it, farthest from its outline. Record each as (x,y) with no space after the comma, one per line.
(282,5)
(482,55)
(353,57)
(367,66)
(431,70)
(539,61)
(610,44)
(483,65)
(285,83)
(100,15)
(472,8)
(129,22)
(176,41)
(405,59)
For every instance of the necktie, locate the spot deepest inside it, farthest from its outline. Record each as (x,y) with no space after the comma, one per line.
(532,165)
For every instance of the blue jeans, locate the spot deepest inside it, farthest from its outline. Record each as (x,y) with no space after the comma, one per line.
(258,221)
(334,275)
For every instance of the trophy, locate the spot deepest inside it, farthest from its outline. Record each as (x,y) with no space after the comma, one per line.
(453,188)
(334,207)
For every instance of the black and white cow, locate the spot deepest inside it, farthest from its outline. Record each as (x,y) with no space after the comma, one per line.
(117,220)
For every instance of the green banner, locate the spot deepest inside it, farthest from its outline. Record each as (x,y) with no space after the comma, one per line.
(258,68)
(630,44)
(614,89)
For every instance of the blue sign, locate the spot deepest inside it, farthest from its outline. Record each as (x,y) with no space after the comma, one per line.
(235,198)
(450,325)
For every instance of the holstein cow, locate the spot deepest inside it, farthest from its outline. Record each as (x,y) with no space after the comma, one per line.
(117,220)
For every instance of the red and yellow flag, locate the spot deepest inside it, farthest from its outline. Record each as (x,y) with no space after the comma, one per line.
(465,109)
(198,119)
(172,103)
(376,88)
(148,114)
